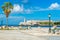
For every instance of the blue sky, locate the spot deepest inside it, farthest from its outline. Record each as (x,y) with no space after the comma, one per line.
(31,10)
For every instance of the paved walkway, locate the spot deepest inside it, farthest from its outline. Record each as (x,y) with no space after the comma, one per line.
(17,35)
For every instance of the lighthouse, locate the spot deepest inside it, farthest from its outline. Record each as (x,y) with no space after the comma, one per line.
(24,20)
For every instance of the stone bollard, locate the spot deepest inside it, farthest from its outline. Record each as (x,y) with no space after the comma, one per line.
(12,27)
(20,27)
(3,27)
(29,27)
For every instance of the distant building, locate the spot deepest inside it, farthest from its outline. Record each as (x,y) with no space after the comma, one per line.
(33,22)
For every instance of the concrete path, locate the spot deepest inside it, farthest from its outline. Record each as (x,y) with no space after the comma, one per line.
(17,35)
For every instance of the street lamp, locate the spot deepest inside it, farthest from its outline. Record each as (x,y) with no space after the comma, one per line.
(49,23)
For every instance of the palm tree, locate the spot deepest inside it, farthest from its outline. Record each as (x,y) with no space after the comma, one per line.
(7,7)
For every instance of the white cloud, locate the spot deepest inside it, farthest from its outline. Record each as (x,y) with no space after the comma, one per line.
(33,9)
(20,8)
(25,1)
(54,6)
(2,15)
(17,8)
(28,11)
(20,17)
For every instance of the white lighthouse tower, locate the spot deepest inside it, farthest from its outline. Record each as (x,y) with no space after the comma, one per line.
(24,20)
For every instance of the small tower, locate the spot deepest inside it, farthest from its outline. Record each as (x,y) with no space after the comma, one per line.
(24,20)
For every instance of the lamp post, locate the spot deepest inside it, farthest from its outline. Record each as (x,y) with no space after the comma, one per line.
(49,23)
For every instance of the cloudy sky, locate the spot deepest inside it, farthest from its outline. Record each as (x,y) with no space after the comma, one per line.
(31,10)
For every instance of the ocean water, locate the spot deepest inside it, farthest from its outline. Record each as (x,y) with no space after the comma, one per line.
(39,26)
(31,26)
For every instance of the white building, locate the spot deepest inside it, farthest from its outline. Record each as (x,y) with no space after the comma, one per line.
(32,22)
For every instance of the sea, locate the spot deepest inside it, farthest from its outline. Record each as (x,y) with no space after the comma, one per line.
(30,26)
(39,26)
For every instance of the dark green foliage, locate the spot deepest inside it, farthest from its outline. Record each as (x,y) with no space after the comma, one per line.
(46,23)
(7,5)
(57,23)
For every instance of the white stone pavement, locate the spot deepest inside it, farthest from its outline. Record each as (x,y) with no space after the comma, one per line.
(39,32)
(18,35)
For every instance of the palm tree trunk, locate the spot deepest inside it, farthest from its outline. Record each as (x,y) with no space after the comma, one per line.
(7,22)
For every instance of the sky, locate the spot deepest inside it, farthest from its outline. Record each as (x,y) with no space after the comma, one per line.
(31,10)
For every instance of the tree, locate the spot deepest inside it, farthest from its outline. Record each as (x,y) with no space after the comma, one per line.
(7,7)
